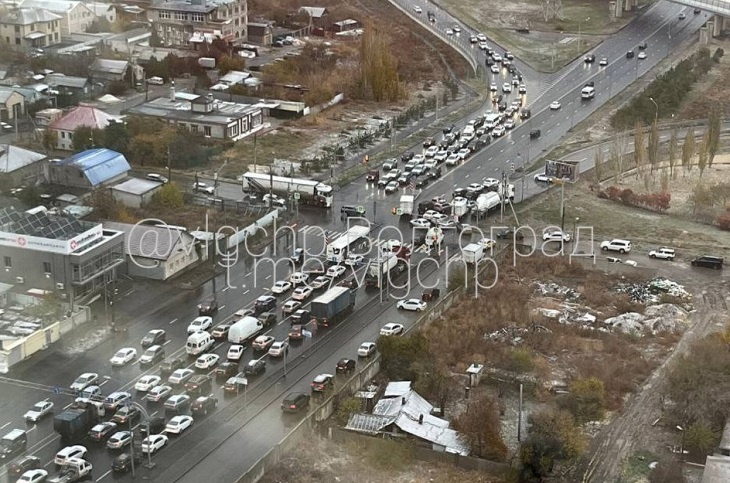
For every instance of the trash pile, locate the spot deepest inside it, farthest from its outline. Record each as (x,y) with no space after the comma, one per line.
(571,314)
(650,292)
(552,288)
(657,318)
(513,335)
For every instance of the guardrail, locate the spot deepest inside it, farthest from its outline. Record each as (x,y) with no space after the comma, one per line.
(457,42)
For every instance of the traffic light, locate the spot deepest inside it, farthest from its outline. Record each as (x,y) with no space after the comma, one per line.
(512,167)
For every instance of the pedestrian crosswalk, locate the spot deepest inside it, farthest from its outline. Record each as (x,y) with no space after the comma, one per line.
(387,244)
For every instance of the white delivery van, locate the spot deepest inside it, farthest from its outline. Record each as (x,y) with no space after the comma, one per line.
(588,92)
(245,329)
(472,253)
(198,343)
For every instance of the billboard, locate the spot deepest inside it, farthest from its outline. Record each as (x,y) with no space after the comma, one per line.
(565,170)
(52,245)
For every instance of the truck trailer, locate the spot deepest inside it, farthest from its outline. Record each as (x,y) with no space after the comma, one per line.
(377,274)
(406,205)
(75,422)
(245,329)
(332,306)
(487,201)
(472,253)
(310,192)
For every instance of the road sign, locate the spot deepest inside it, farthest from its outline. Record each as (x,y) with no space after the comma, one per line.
(306,333)
(399,212)
(361,209)
(56,390)
(296,195)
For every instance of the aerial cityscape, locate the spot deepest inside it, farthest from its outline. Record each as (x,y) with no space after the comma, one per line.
(364,241)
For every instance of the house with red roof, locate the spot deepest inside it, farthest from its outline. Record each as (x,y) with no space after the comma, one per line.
(82,115)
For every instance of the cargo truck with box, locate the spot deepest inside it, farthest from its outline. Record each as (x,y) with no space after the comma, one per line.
(332,306)
(472,253)
(389,265)
(245,329)
(406,205)
(75,422)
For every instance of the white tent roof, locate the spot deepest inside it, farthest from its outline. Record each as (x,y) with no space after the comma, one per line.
(109,99)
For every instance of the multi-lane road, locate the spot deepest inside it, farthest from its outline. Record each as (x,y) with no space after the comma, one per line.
(225,444)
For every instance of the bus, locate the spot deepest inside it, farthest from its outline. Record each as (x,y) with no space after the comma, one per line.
(337,250)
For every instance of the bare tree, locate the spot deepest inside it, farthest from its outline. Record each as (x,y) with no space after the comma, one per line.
(688,150)
(653,146)
(673,146)
(714,127)
(639,147)
(599,161)
(618,152)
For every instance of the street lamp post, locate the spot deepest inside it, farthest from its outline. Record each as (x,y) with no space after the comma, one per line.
(580,39)
(656,111)
(681,444)
(575,225)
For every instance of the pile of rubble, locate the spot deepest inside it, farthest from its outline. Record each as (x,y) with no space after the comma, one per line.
(656,318)
(514,335)
(650,292)
(552,289)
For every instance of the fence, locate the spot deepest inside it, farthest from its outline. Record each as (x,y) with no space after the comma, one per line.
(238,237)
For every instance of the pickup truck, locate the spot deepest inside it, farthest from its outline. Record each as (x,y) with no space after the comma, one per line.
(75,469)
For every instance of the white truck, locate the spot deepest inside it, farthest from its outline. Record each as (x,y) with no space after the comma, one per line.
(434,236)
(75,469)
(487,201)
(472,253)
(459,206)
(406,205)
(588,92)
(310,192)
(510,192)
(378,270)
(245,329)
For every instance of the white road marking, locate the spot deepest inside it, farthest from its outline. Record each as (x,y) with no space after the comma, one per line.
(225,288)
(221,307)
(8,424)
(104,475)
(166,342)
(247,291)
(173,321)
(267,277)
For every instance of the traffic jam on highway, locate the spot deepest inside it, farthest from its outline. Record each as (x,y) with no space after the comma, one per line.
(158,389)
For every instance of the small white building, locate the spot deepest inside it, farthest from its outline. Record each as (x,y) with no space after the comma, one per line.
(156,252)
(135,192)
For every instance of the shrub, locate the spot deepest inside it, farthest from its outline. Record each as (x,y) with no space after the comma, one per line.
(586,401)
(346,408)
(723,221)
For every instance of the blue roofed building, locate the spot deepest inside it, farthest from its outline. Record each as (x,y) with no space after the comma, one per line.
(89,169)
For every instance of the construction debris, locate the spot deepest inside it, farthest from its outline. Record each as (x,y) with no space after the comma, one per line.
(650,292)
(552,289)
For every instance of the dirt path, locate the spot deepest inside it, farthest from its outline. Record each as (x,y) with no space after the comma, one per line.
(632,430)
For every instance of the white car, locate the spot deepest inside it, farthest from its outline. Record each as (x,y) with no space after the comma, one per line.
(496,57)
(555,105)
(391,187)
(120,439)
(147,383)
(84,380)
(522,89)
(603,62)
(453,160)
(392,329)
(449,31)
(430,214)
(336,271)
(154,443)
(463,153)
(506,87)
(498,131)
(663,253)
(439,218)
(298,278)
(39,410)
(441,156)
(91,392)
(474,188)
(282,286)
(178,424)
(411,304)
(33,476)
(457,29)
(555,235)
(421,223)
(203,188)
(158,393)
(124,356)
(235,352)
(206,361)
(273,200)
(616,245)
(279,348)
(290,306)
(75,451)
(320,282)
(509,123)
(302,293)
(417,9)
(366,349)
(494,68)
(180,376)
(489,183)
(431,151)
(353,260)
(487,243)
(200,324)
(543,178)
(642,55)
(493,87)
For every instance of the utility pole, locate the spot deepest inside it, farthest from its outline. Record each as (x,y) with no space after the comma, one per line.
(169,164)
(519,418)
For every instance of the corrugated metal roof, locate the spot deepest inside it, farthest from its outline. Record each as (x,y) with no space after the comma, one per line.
(437,434)
(29,16)
(153,242)
(63,6)
(13,157)
(315,12)
(99,165)
(109,66)
(137,186)
(83,116)
(369,423)
(66,81)
(397,388)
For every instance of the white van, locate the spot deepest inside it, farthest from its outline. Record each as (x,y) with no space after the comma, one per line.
(198,343)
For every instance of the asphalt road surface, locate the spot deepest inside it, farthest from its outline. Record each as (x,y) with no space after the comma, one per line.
(239,434)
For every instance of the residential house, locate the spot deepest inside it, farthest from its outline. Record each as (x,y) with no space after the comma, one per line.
(403,413)
(190,23)
(205,115)
(20,166)
(76,16)
(105,70)
(89,169)
(156,252)
(12,103)
(261,33)
(68,90)
(316,15)
(345,25)
(103,10)
(129,41)
(82,115)
(30,28)
(135,192)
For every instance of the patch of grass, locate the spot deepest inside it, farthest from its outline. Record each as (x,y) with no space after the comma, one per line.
(388,455)
(282,144)
(636,466)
